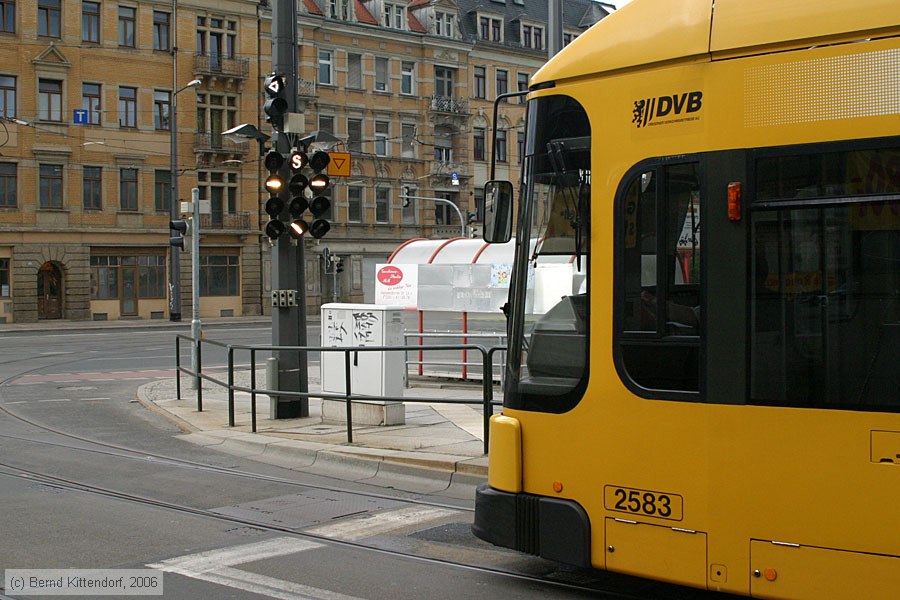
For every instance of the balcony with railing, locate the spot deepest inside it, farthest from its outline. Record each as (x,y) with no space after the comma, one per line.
(216,143)
(225,221)
(216,65)
(448,105)
(440,168)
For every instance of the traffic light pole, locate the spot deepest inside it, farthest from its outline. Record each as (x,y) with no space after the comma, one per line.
(288,261)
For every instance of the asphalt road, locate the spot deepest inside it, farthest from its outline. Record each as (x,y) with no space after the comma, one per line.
(90,479)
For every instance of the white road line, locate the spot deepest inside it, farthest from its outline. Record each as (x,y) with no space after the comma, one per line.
(132,358)
(236,555)
(381,523)
(217,566)
(56,400)
(96,398)
(54,353)
(18,402)
(268,586)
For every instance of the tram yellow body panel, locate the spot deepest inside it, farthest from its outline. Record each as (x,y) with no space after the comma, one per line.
(771,501)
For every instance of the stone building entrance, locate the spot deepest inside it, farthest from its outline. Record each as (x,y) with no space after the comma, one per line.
(49,291)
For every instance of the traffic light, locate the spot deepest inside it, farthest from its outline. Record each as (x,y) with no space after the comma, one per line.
(339,266)
(274,184)
(471,217)
(305,189)
(276,105)
(181,228)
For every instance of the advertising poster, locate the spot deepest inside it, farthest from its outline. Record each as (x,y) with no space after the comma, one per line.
(397,285)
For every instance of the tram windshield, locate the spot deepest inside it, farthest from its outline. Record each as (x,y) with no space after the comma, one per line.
(549,319)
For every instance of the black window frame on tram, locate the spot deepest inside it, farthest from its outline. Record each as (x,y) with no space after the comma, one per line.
(663,359)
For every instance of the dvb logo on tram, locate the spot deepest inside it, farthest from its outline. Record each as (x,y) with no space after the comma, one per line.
(663,110)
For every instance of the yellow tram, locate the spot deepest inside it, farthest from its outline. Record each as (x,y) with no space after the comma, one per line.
(703,378)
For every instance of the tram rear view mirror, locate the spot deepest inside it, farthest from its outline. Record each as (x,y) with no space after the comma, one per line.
(498,205)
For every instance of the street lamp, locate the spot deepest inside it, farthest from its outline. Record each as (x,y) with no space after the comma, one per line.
(174,256)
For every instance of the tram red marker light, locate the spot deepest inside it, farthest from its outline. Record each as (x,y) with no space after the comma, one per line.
(734,201)
(770,574)
(557,486)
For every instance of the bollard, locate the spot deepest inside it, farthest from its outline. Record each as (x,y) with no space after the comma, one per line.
(272,384)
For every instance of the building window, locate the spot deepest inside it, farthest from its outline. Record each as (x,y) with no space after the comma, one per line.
(216,113)
(104,277)
(128,189)
(152,276)
(160,30)
(8,184)
(500,147)
(127,107)
(354,71)
(490,28)
(7,96)
(394,15)
(522,85)
(162,190)
(51,186)
(4,278)
(381,74)
(90,22)
(216,39)
(326,123)
(127,16)
(50,100)
(568,37)
(339,9)
(479,146)
(92,187)
(219,275)
(49,12)
(90,101)
(162,101)
(408,140)
(220,188)
(443,24)
(326,67)
(407,77)
(502,82)
(382,129)
(443,81)
(480,82)
(8,16)
(532,37)
(520,145)
(382,205)
(444,214)
(408,206)
(354,135)
(354,204)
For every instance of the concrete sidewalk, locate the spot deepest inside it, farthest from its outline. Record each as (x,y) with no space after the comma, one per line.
(440,447)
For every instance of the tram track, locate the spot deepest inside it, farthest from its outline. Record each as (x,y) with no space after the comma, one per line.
(12,471)
(120,451)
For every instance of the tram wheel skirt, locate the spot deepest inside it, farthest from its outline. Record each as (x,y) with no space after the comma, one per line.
(551,528)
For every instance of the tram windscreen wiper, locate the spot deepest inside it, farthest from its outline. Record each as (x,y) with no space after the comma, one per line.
(573,182)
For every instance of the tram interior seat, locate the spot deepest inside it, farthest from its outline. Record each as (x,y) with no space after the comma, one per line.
(557,351)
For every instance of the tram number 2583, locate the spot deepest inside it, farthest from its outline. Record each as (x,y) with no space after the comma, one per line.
(661,505)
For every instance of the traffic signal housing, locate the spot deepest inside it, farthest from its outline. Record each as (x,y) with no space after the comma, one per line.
(276,105)
(274,185)
(180,228)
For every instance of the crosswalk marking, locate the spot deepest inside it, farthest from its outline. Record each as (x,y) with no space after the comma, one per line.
(218,566)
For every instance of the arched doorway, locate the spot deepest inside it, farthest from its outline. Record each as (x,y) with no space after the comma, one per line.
(49,291)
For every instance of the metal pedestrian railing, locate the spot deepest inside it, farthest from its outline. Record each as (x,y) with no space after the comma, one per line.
(486,402)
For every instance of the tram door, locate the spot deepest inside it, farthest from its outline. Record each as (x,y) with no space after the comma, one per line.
(49,291)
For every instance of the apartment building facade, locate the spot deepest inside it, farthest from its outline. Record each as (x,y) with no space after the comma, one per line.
(90,92)
(408,87)
(87,92)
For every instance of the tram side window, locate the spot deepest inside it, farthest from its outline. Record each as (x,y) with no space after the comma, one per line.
(660,278)
(825,289)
